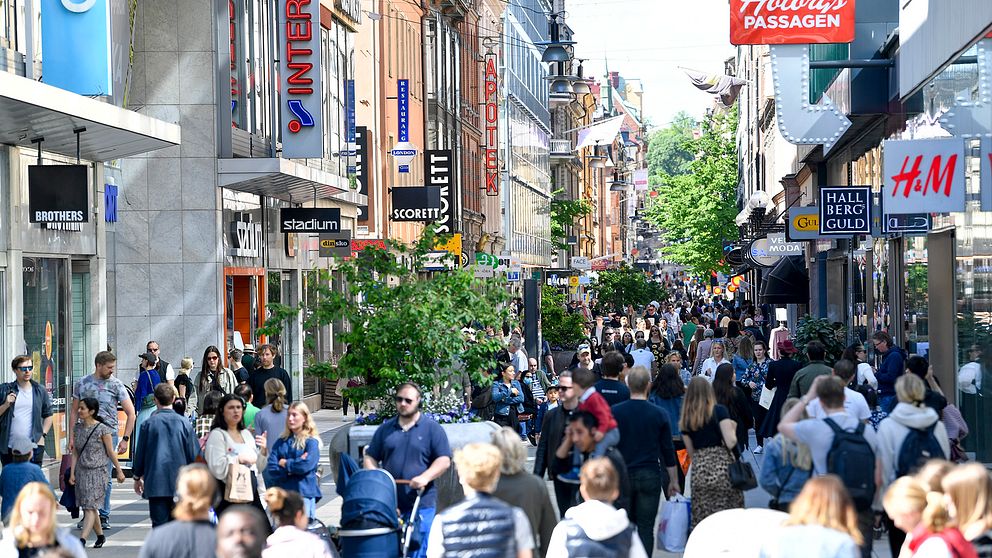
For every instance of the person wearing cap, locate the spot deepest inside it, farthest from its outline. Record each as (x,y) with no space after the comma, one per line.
(144,394)
(780,375)
(18,473)
(26,411)
(584,356)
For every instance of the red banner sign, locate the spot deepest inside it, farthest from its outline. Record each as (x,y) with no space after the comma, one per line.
(359,244)
(787,22)
(491,117)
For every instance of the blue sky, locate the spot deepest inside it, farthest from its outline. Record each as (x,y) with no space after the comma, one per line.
(650,39)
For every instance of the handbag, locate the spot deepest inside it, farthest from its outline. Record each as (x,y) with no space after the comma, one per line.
(741,474)
(767,395)
(774,503)
(238,488)
(148,401)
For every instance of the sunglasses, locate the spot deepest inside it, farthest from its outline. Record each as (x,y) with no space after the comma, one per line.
(406,400)
(25,368)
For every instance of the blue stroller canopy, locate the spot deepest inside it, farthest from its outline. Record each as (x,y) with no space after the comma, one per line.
(369,501)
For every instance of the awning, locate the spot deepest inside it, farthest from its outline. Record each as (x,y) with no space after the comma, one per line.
(283,179)
(787,283)
(30,109)
(600,133)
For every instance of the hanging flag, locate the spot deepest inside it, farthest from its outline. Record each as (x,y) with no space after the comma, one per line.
(600,133)
(726,87)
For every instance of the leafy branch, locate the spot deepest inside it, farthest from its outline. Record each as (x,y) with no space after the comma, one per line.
(563,215)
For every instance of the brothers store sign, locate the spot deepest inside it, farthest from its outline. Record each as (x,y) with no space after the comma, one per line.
(58,194)
(784,22)
(845,210)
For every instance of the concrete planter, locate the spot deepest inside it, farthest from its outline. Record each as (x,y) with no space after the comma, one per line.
(355,438)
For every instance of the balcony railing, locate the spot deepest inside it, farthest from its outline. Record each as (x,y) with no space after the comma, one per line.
(561,149)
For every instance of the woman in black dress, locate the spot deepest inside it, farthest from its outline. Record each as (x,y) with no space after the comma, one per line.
(780,374)
(733,398)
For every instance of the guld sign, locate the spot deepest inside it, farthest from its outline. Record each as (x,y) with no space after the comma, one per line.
(785,22)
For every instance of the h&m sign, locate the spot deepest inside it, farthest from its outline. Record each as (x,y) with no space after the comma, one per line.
(923,176)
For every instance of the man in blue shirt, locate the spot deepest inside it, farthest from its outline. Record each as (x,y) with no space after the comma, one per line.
(414,448)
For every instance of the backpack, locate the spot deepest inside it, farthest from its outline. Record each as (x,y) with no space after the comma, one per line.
(917,447)
(852,459)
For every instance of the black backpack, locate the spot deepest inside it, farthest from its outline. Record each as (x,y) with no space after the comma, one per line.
(852,459)
(919,446)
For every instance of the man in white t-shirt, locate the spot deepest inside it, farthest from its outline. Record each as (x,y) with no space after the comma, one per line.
(854,403)
(25,411)
(642,355)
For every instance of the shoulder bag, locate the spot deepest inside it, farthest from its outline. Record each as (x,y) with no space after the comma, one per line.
(741,474)
(238,484)
(148,401)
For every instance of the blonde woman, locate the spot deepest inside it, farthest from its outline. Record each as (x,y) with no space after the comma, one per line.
(519,488)
(969,489)
(923,515)
(192,534)
(787,466)
(295,457)
(822,523)
(709,435)
(184,385)
(271,419)
(32,526)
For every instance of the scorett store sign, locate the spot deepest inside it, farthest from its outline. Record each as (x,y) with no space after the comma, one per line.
(299,76)
(438,173)
(309,220)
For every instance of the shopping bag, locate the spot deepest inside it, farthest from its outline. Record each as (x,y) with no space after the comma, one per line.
(765,400)
(684,460)
(687,492)
(238,487)
(673,530)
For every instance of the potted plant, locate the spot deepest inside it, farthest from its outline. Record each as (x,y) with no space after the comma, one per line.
(616,289)
(562,330)
(832,335)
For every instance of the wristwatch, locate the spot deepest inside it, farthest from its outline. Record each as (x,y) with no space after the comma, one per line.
(126,438)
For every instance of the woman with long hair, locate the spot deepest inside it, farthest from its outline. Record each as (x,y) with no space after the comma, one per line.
(658,343)
(668,393)
(627,341)
(969,489)
(754,379)
(32,529)
(718,356)
(786,467)
(214,376)
(779,377)
(508,395)
(185,388)
(230,443)
(733,398)
(295,457)
(271,419)
(744,358)
(822,523)
(697,338)
(291,537)
(733,338)
(709,435)
(855,352)
(923,515)
(93,451)
(191,534)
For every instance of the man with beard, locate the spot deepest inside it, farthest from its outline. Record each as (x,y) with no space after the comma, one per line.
(411,447)
(552,432)
(241,533)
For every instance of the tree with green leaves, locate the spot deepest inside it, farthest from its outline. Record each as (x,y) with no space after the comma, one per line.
(617,288)
(667,148)
(564,212)
(695,211)
(400,326)
(559,327)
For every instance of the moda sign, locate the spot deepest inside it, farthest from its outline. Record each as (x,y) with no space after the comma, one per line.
(299,36)
(491,116)
(785,22)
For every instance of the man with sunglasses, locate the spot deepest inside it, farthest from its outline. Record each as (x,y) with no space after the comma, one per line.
(413,448)
(26,411)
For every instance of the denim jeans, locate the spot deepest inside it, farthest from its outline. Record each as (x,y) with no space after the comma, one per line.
(887,403)
(105,510)
(310,507)
(645,497)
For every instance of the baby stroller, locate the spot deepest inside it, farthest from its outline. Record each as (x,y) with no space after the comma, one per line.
(370,525)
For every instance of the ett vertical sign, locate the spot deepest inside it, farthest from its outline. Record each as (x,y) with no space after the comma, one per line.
(845,210)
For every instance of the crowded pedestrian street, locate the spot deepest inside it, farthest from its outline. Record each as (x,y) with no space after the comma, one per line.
(495,278)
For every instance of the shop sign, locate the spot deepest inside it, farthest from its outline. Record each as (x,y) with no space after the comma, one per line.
(451,243)
(907,225)
(403,151)
(350,131)
(491,122)
(779,246)
(335,245)
(309,219)
(110,203)
(75,46)
(438,173)
(362,165)
(483,259)
(413,204)
(513,276)
(58,194)
(923,176)
(803,223)
(845,210)
(300,87)
(581,263)
(641,180)
(359,244)
(558,277)
(783,22)
(759,254)
(246,236)
(483,272)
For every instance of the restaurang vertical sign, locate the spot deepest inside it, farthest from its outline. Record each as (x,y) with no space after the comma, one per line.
(789,22)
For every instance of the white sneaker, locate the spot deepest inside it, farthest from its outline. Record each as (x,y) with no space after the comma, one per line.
(758,450)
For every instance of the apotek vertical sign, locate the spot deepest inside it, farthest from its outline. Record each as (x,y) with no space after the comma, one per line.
(491,116)
(779,22)
(438,172)
(299,76)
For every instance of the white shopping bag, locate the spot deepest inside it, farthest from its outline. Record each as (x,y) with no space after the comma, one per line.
(673,530)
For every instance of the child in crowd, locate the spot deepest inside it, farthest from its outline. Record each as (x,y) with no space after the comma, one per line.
(591,401)
(17,474)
